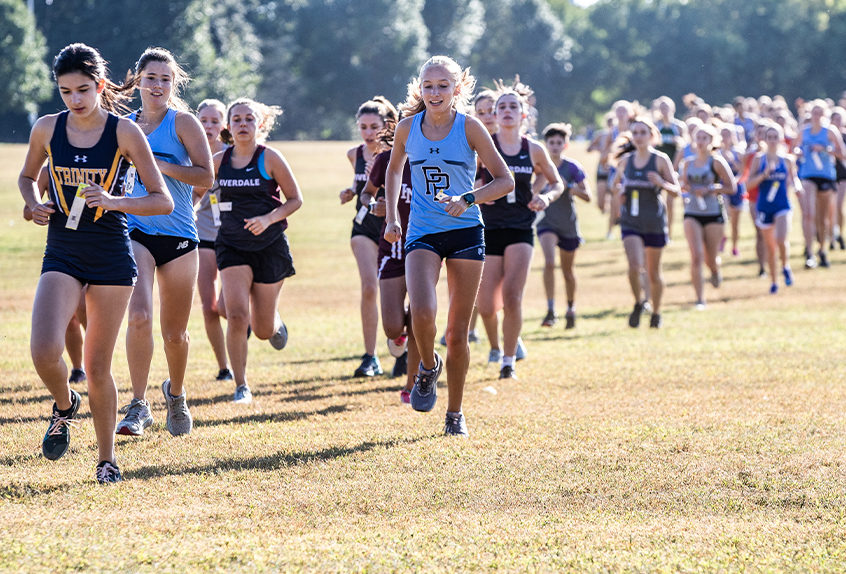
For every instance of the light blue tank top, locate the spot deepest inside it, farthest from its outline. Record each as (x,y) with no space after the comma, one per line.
(816,164)
(448,166)
(180,223)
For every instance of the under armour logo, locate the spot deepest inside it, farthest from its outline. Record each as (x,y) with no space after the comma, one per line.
(80,158)
(182,245)
(434,150)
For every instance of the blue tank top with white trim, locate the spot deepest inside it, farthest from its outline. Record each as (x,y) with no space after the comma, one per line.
(772,191)
(448,166)
(180,222)
(816,163)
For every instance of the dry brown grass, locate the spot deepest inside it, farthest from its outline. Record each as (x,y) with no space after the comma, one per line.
(714,444)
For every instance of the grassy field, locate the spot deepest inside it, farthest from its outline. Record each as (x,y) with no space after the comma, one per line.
(714,444)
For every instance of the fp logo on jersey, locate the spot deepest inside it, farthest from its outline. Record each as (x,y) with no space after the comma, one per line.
(436,180)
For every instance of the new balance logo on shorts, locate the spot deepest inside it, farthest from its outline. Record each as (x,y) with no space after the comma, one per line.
(182,245)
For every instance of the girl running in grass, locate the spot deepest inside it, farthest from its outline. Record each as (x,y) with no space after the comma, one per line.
(252,250)
(673,133)
(705,178)
(604,196)
(773,172)
(560,224)
(165,246)
(819,146)
(441,143)
(88,148)
(838,121)
(211,114)
(643,175)
(367,227)
(509,237)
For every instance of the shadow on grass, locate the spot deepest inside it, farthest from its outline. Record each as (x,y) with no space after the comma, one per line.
(270,462)
(323,360)
(43,418)
(271,417)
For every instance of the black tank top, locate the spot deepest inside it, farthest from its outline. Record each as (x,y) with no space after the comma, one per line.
(244,193)
(643,210)
(511,211)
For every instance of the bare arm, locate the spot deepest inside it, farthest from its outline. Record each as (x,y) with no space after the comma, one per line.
(36,154)
(191,134)
(198,192)
(393,181)
(618,175)
(480,140)
(666,176)
(728,183)
(278,168)
(836,143)
(544,166)
(348,193)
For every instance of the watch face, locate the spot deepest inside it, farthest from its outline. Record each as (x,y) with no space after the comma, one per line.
(469,198)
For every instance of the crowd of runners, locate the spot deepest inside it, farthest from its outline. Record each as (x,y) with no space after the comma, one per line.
(451,179)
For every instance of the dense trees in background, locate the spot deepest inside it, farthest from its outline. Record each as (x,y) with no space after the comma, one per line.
(319,59)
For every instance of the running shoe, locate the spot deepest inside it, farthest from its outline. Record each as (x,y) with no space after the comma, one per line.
(550,319)
(810,262)
(405,397)
(773,289)
(570,318)
(108,473)
(57,438)
(369,366)
(634,317)
(647,306)
(243,395)
(761,272)
(138,417)
(521,353)
(716,279)
(655,321)
(179,419)
(823,259)
(788,276)
(700,305)
(77,376)
(425,390)
(735,252)
(495,356)
(398,346)
(279,339)
(455,425)
(473,336)
(443,340)
(400,366)
(507,372)
(224,375)
(841,242)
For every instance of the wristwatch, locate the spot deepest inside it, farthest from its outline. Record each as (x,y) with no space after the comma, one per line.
(469,199)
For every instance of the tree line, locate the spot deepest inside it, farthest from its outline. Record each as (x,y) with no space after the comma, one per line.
(319,59)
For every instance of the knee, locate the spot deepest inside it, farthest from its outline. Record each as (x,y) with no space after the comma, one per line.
(176,338)
(512,299)
(369,290)
(549,266)
(238,318)
(456,338)
(45,353)
(569,276)
(392,329)
(99,373)
(422,317)
(140,319)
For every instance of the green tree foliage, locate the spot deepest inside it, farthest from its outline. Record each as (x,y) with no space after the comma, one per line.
(26,77)
(454,26)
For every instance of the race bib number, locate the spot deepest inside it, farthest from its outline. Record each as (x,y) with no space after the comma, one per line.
(215,209)
(76,208)
(129,180)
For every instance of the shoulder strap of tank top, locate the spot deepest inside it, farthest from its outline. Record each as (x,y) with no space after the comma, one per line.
(227,156)
(257,154)
(524,144)
(61,124)
(359,152)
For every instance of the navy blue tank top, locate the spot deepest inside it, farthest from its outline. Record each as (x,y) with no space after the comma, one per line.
(511,211)
(244,193)
(101,238)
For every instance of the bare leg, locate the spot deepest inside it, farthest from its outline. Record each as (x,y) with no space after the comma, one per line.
(237,281)
(782,230)
(207,287)
(634,248)
(694,233)
(366,254)
(548,242)
(516,263)
(567,260)
(55,303)
(395,319)
(656,277)
(714,234)
(823,219)
(490,296)
(422,268)
(463,277)
(176,293)
(770,243)
(139,329)
(808,203)
(106,307)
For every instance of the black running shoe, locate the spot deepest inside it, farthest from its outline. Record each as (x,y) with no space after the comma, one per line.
(400,366)
(108,473)
(369,366)
(570,318)
(57,438)
(550,319)
(634,318)
(77,376)
(823,259)
(841,243)
(224,375)
(655,321)
(507,372)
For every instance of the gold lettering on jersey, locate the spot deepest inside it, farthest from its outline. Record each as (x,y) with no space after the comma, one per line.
(77,175)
